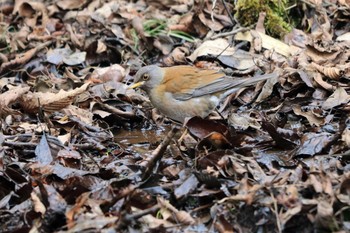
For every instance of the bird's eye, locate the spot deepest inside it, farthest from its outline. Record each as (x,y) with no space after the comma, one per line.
(145,77)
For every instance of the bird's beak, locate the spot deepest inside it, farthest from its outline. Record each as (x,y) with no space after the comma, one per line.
(136,85)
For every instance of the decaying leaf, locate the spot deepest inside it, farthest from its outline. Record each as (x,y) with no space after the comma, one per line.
(340,96)
(212,48)
(50,102)
(267,43)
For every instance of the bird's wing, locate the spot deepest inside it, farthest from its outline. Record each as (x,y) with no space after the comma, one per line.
(193,82)
(184,81)
(230,84)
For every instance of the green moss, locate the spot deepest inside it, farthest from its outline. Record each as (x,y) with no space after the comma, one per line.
(276,21)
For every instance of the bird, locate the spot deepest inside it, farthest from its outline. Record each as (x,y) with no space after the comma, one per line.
(184,91)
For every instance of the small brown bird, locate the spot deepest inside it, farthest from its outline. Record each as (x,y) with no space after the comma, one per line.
(181,92)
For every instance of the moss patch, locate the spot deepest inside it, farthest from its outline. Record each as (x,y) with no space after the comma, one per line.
(276,21)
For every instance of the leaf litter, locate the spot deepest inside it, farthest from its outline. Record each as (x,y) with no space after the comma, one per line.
(81,152)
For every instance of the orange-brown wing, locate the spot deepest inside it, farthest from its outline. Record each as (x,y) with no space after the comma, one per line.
(191,82)
(184,81)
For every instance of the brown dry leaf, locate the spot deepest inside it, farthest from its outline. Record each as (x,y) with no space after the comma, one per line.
(177,56)
(50,102)
(210,23)
(31,10)
(319,80)
(346,137)
(322,29)
(339,97)
(284,217)
(343,193)
(267,89)
(77,39)
(164,43)
(246,193)
(309,115)
(22,59)
(324,217)
(330,72)
(319,56)
(9,98)
(181,216)
(155,223)
(83,115)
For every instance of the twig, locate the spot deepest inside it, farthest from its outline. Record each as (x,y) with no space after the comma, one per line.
(118,113)
(157,154)
(229,13)
(278,220)
(234,31)
(131,217)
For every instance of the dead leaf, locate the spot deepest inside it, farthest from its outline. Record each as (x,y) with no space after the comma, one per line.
(212,47)
(339,97)
(50,102)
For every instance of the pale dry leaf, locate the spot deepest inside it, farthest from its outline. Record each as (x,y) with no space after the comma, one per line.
(101,47)
(43,151)
(243,121)
(268,42)
(55,56)
(212,47)
(153,222)
(240,60)
(70,4)
(344,37)
(316,183)
(103,13)
(284,217)
(267,89)
(30,128)
(75,58)
(82,114)
(12,96)
(256,41)
(39,207)
(346,137)
(9,98)
(317,3)
(65,139)
(50,102)
(339,97)
(319,80)
(324,217)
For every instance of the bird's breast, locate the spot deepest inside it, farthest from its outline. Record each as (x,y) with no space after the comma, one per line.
(179,110)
